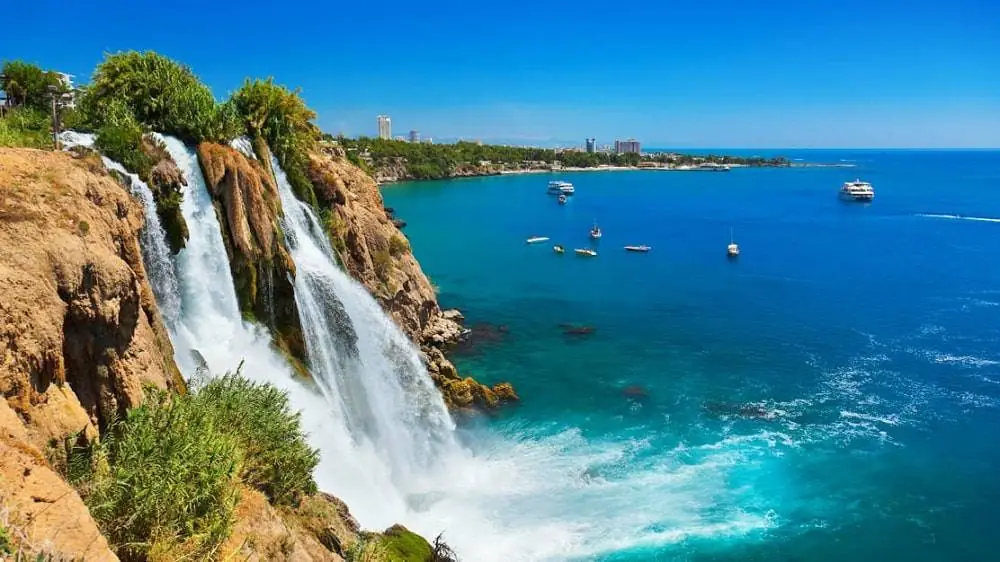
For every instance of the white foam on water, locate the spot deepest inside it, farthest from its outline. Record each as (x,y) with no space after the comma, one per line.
(957,217)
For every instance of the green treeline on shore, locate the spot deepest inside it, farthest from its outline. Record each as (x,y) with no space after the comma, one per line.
(438,161)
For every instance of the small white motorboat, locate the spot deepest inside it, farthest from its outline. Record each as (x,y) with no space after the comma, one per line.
(536,239)
(562,199)
(558,249)
(585,252)
(643,248)
(595,232)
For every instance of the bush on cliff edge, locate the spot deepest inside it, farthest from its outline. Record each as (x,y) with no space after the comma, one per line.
(164,482)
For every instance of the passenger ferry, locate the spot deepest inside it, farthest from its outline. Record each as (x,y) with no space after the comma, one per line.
(563,187)
(857,190)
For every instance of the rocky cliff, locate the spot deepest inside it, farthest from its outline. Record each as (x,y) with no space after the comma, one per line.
(80,338)
(80,334)
(376,253)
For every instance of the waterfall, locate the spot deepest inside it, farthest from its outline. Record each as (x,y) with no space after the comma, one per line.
(359,357)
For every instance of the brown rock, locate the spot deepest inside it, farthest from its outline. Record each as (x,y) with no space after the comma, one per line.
(263,271)
(505,392)
(80,334)
(43,513)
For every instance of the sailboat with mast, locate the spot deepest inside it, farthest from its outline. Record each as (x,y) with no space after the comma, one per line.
(733,250)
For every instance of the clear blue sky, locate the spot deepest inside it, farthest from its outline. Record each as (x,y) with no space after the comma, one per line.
(787,73)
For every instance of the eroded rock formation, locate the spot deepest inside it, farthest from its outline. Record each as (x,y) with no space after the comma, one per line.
(249,211)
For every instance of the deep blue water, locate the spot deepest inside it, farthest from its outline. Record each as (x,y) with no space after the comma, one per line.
(833,394)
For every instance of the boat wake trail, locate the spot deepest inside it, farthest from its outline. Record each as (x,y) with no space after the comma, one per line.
(957,217)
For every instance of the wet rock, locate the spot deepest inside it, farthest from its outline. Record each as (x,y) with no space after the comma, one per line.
(575,330)
(635,391)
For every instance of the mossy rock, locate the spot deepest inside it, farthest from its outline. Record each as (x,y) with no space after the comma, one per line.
(403,545)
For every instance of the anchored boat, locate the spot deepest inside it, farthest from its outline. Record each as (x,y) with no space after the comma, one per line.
(558,249)
(732,250)
(563,187)
(595,232)
(857,190)
(536,239)
(643,248)
(586,252)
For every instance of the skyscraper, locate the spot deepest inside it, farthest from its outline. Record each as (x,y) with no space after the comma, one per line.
(591,146)
(414,136)
(384,127)
(627,146)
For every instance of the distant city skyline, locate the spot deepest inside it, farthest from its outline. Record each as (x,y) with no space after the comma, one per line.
(791,75)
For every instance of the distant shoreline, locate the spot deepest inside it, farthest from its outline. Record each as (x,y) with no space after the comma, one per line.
(611,169)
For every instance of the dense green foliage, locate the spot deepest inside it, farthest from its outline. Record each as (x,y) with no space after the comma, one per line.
(163,95)
(279,116)
(402,545)
(26,127)
(120,139)
(28,85)
(166,478)
(277,459)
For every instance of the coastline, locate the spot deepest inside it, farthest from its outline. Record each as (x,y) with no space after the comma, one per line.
(390,180)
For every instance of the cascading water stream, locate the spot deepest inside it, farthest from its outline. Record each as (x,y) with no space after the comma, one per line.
(359,356)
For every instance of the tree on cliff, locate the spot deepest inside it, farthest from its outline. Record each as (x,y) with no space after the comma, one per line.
(162,94)
(28,85)
(279,116)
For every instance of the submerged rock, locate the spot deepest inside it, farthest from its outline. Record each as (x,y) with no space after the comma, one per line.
(574,330)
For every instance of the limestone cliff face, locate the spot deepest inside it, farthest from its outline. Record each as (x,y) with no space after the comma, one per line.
(375,252)
(80,334)
(249,213)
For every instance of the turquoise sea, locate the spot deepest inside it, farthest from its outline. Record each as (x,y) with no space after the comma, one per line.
(833,394)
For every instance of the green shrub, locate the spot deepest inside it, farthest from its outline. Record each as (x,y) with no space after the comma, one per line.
(26,127)
(84,227)
(28,85)
(398,246)
(277,459)
(403,545)
(336,229)
(382,261)
(162,94)
(165,478)
(120,139)
(5,541)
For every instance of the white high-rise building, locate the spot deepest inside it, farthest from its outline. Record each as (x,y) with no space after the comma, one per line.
(384,127)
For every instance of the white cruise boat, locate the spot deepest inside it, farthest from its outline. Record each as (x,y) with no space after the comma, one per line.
(857,190)
(563,187)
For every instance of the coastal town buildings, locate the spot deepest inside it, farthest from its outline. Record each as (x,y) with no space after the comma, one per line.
(384,127)
(414,136)
(591,146)
(630,146)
